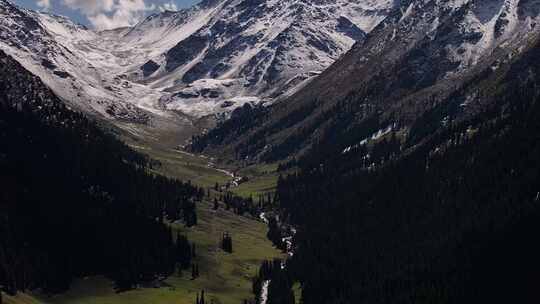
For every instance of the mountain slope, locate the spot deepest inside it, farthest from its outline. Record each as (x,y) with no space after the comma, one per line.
(79,66)
(263,49)
(425,54)
(64,213)
(206,60)
(448,221)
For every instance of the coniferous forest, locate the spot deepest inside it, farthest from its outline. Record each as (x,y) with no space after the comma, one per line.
(452,219)
(75,201)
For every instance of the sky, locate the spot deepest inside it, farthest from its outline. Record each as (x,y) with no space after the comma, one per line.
(105,14)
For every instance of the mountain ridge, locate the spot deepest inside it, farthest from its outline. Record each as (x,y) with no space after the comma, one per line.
(147,78)
(406,66)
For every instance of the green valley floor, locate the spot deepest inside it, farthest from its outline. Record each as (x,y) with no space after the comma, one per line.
(225,278)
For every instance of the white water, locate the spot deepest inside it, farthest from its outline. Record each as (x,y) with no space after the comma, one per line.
(264,292)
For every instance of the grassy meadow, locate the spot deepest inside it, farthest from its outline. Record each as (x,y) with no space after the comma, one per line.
(225,278)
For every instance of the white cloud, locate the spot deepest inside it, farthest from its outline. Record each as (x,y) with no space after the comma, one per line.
(108,14)
(90,7)
(168,7)
(44,4)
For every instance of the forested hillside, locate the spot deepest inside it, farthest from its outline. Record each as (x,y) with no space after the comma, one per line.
(450,216)
(420,59)
(75,201)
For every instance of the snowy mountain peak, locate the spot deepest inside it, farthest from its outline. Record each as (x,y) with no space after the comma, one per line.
(424,48)
(205,60)
(255,49)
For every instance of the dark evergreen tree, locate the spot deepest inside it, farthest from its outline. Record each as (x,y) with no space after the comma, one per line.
(226,242)
(183,251)
(274,234)
(194,271)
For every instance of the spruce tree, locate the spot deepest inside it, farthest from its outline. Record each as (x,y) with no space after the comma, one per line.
(226,242)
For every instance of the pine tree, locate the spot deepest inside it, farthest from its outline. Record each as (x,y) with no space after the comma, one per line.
(194,271)
(274,234)
(226,242)
(183,251)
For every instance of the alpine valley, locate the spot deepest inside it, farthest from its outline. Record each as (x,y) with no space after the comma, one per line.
(273,152)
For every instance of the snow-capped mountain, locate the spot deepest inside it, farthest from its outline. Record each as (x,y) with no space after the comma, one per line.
(206,60)
(251,50)
(429,60)
(436,43)
(427,50)
(75,62)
